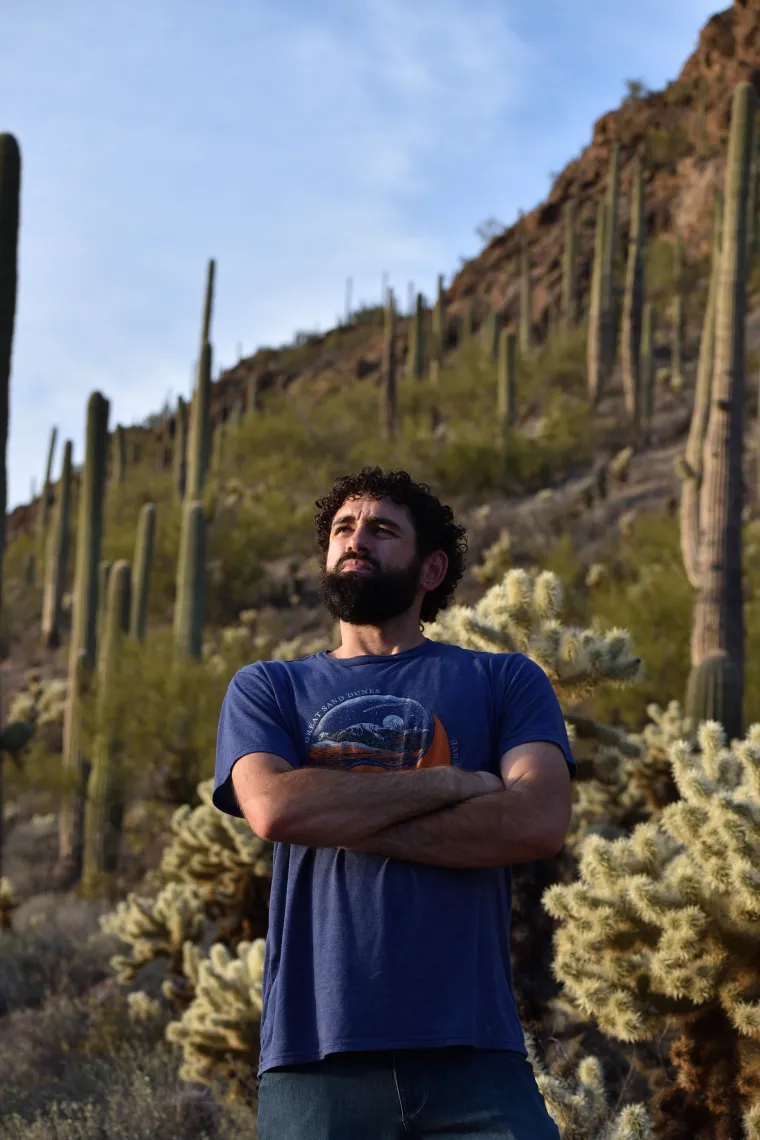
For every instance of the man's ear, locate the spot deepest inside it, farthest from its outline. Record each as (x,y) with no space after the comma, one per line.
(434,570)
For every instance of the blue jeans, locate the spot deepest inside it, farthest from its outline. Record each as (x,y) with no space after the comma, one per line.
(406,1094)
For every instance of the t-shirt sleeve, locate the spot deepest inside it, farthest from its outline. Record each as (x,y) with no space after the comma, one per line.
(529,708)
(251,720)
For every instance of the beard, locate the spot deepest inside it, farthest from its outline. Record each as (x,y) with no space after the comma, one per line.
(362,598)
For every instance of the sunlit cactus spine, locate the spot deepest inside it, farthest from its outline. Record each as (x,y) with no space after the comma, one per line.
(416,360)
(142,564)
(57,557)
(83,637)
(595,336)
(388,391)
(106,786)
(189,606)
(633,302)
(717,643)
(526,305)
(570,267)
(180,450)
(506,372)
(43,517)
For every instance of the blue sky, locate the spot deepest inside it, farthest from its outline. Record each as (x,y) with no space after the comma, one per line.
(297,147)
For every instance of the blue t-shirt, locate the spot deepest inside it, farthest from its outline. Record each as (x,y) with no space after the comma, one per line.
(365,952)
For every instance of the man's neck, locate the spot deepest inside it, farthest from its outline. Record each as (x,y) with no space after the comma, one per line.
(364,640)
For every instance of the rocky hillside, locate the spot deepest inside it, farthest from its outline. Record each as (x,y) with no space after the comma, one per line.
(680,133)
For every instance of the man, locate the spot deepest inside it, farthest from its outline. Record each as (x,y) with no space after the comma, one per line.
(399,778)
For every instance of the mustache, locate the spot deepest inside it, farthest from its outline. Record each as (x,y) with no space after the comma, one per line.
(356,558)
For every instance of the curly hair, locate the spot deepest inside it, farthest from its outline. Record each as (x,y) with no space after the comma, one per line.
(434,524)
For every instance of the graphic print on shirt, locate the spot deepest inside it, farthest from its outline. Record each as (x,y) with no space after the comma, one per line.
(375,732)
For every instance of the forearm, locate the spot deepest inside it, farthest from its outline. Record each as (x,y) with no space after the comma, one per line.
(318,808)
(492,831)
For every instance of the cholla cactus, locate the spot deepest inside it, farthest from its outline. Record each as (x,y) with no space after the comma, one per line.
(215,852)
(663,927)
(142,1008)
(496,560)
(521,615)
(596,574)
(155,928)
(581,1110)
(219,1031)
(300,647)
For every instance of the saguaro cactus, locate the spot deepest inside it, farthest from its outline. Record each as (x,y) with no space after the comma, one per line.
(595,339)
(506,376)
(143,562)
(180,450)
(491,331)
(189,606)
(416,363)
(609,297)
(106,786)
(388,409)
(633,301)
(200,429)
(10,187)
(569,267)
(438,346)
(689,467)
(526,305)
(716,682)
(645,398)
(57,557)
(43,517)
(83,638)
(104,573)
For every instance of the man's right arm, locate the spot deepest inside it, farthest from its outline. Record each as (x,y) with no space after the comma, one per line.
(314,807)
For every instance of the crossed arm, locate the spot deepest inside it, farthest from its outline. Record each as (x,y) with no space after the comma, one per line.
(444,817)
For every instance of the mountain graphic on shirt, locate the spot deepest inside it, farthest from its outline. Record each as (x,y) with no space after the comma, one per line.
(376,732)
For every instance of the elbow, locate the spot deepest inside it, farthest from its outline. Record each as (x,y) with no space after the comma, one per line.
(263,819)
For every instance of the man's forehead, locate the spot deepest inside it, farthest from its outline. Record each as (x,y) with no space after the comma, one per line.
(366,507)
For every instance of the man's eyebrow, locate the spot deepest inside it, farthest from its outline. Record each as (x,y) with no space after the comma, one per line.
(382,519)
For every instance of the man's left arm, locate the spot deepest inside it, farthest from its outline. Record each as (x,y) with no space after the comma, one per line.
(527,820)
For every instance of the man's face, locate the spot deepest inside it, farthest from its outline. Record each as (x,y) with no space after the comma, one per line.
(372,570)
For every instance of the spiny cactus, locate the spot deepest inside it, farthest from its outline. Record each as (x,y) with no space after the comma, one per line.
(219,1031)
(189,603)
(521,615)
(609,294)
(438,343)
(633,302)
(580,1109)
(180,450)
(10,190)
(661,929)
(596,315)
(57,557)
(678,319)
(689,466)
(569,267)
(526,305)
(43,516)
(83,637)
(718,627)
(490,333)
(142,563)
(198,452)
(155,928)
(646,370)
(388,403)
(416,358)
(104,571)
(506,379)
(119,455)
(106,787)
